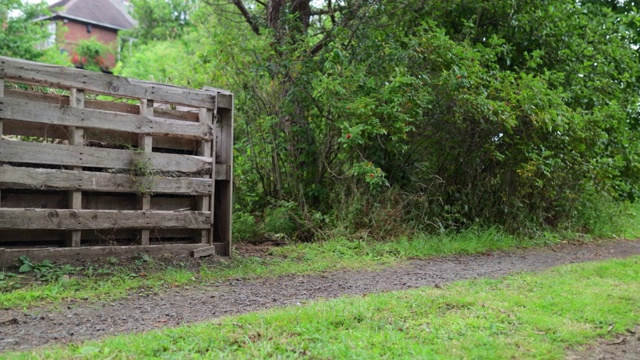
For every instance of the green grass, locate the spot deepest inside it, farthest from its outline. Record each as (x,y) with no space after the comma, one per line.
(302,258)
(523,316)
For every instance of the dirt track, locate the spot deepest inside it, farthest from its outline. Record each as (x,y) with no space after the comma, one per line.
(88,320)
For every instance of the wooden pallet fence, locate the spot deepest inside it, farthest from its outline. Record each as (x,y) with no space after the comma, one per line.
(97,161)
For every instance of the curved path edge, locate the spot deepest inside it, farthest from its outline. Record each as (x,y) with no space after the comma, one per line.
(87,320)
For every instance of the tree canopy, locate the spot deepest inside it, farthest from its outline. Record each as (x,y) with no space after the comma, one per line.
(21,35)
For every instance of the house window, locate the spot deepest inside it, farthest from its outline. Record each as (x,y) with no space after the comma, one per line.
(51,38)
(89,28)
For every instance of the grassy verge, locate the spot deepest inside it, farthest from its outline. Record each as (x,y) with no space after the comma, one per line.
(144,275)
(522,316)
(113,282)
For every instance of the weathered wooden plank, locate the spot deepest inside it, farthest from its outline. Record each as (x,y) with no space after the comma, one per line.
(93,201)
(65,155)
(113,106)
(101,219)
(145,143)
(10,257)
(224,189)
(224,97)
(205,251)
(107,136)
(76,137)
(49,98)
(95,137)
(116,106)
(62,100)
(95,237)
(175,114)
(51,179)
(1,123)
(53,114)
(203,203)
(58,76)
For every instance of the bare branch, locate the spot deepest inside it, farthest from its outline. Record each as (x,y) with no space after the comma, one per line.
(332,15)
(247,16)
(243,10)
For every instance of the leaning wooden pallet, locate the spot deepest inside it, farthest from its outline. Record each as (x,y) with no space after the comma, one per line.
(92,161)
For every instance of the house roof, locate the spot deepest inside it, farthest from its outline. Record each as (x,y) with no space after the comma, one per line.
(107,13)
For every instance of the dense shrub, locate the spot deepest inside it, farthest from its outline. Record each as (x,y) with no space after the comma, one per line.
(431,116)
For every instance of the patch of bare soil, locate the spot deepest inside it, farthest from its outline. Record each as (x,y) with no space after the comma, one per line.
(78,321)
(623,347)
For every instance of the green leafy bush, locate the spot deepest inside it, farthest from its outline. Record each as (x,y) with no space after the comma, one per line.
(442,115)
(244,226)
(91,55)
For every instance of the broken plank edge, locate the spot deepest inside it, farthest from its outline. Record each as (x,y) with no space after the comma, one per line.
(202,252)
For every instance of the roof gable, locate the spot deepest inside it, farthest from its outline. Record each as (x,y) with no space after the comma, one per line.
(107,13)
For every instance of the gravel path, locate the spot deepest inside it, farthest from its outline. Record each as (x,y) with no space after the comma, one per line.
(87,320)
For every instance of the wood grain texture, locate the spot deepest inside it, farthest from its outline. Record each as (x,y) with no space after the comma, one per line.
(54,114)
(203,203)
(67,219)
(1,122)
(30,72)
(76,137)
(52,179)
(10,257)
(205,251)
(68,155)
(224,189)
(145,143)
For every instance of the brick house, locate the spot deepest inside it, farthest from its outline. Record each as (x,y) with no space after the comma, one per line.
(84,19)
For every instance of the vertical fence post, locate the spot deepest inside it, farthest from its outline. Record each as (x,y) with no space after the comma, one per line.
(145,144)
(224,188)
(1,96)
(203,203)
(76,138)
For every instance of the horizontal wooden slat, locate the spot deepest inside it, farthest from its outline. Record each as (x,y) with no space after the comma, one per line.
(47,131)
(10,257)
(63,77)
(33,111)
(95,236)
(160,111)
(95,137)
(175,114)
(49,98)
(66,155)
(52,219)
(12,177)
(204,251)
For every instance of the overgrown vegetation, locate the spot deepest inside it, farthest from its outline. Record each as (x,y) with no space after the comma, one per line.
(22,36)
(92,55)
(368,116)
(524,316)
